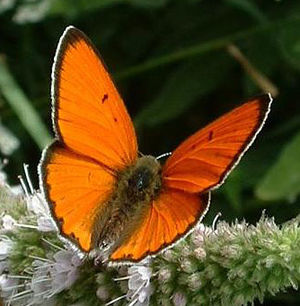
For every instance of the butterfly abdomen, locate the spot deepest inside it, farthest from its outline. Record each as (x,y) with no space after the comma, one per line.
(136,188)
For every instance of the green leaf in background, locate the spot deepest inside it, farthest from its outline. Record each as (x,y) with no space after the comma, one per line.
(289,43)
(249,7)
(282,181)
(233,188)
(148,3)
(72,8)
(185,87)
(75,8)
(22,107)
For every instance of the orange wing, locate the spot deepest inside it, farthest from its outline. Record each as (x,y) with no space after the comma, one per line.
(89,116)
(171,216)
(95,136)
(76,188)
(197,165)
(204,160)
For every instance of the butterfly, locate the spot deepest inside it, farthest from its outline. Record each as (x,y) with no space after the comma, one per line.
(101,192)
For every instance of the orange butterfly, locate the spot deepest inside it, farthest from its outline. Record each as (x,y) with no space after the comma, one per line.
(100,192)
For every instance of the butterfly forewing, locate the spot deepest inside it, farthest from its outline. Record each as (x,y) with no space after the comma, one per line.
(89,114)
(203,160)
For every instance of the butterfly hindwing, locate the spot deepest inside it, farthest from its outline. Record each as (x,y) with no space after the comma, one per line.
(169,217)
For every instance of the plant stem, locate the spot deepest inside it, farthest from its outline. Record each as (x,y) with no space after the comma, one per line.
(200,49)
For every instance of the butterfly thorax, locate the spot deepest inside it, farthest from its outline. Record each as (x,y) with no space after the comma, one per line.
(136,188)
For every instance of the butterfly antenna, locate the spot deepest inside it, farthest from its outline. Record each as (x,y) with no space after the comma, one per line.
(163,155)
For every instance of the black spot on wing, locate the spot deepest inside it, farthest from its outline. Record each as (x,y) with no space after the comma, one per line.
(104,98)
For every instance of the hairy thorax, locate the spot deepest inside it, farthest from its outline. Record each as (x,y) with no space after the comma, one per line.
(136,188)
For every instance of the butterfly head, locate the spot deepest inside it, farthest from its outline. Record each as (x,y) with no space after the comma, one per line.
(143,180)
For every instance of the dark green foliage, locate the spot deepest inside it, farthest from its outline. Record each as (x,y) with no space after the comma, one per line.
(272,186)
(27,245)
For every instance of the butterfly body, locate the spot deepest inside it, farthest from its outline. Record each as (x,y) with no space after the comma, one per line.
(135,189)
(100,193)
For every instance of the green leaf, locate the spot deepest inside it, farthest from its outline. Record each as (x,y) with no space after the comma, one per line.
(76,8)
(282,181)
(22,107)
(148,3)
(185,87)
(289,42)
(248,7)
(232,190)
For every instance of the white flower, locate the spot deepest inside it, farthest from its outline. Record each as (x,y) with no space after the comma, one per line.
(164,274)
(200,253)
(5,247)
(8,222)
(102,293)
(40,283)
(16,189)
(139,285)
(199,234)
(65,270)
(3,178)
(45,224)
(179,299)
(7,285)
(37,205)
(53,276)
(3,266)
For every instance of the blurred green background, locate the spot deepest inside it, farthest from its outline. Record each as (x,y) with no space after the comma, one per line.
(178,65)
